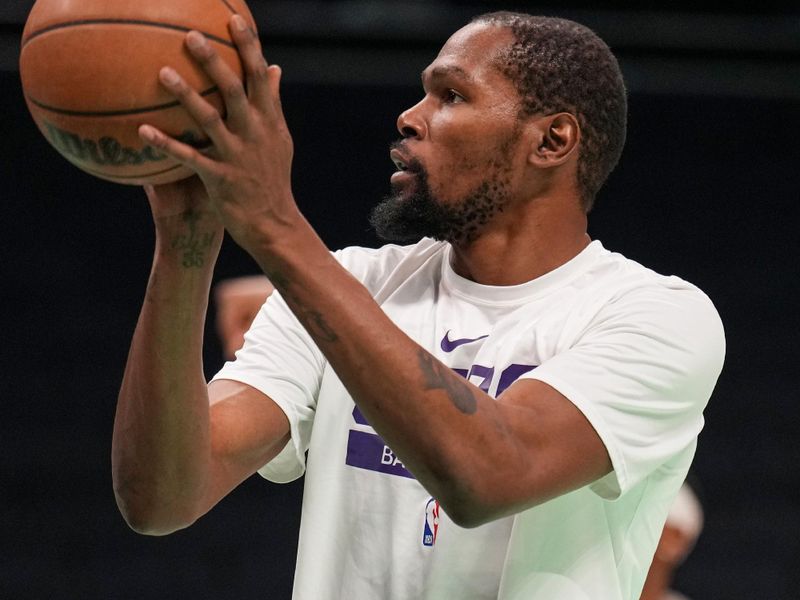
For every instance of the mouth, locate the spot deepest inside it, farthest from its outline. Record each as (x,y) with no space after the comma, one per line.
(404,176)
(400,162)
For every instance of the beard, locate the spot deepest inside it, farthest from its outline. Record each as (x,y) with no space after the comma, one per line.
(408,217)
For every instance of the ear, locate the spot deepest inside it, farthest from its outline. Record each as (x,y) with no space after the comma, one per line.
(556,139)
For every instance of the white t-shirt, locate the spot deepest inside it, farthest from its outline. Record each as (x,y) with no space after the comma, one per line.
(637,352)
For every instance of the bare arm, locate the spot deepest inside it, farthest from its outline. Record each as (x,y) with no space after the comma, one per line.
(481,458)
(172,457)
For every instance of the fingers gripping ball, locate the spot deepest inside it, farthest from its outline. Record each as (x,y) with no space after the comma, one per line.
(89,72)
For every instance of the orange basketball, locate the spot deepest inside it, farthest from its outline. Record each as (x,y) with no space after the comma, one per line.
(89,72)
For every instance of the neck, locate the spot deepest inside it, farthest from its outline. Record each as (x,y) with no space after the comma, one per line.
(523,243)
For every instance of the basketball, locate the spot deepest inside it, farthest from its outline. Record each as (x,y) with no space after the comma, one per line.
(89,73)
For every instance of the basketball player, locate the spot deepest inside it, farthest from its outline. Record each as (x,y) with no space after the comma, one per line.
(501,408)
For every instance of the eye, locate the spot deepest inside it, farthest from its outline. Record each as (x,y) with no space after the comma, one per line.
(452,97)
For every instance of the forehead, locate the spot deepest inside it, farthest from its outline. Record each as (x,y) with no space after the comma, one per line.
(473,50)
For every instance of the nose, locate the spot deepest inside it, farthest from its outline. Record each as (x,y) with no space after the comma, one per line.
(411,123)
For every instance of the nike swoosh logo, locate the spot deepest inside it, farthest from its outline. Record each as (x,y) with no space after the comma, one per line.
(449,345)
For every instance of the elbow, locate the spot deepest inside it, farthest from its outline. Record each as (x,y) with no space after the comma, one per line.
(150,525)
(480,498)
(151,516)
(469,506)
(476,510)
(464,517)
(468,513)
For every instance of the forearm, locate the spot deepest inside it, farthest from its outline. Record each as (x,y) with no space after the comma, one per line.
(161,441)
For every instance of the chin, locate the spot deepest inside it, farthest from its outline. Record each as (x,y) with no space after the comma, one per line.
(403,187)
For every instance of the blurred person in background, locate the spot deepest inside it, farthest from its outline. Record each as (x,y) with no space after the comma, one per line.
(237,301)
(681,530)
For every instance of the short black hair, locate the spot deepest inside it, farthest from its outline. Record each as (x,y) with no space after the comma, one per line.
(559,65)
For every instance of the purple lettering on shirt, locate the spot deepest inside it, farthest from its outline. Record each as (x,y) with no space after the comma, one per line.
(360,419)
(485,373)
(510,374)
(369,451)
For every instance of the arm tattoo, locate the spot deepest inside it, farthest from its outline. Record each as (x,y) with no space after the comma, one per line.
(318,325)
(439,377)
(193,244)
(313,320)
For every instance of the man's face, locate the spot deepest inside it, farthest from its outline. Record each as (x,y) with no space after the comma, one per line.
(460,157)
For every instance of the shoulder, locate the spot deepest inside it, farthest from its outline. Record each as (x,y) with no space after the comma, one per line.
(625,286)
(664,312)
(373,266)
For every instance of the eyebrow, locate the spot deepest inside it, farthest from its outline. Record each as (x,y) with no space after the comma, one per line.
(445,71)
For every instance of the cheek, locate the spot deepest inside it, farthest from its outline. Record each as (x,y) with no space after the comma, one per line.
(457,141)
(456,152)
(460,166)
(467,149)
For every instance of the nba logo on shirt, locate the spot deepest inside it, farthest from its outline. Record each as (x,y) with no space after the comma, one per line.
(431,523)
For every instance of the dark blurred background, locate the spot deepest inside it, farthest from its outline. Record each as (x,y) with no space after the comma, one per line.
(707,189)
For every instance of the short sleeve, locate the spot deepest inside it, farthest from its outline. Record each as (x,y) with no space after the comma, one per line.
(642,374)
(281,360)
